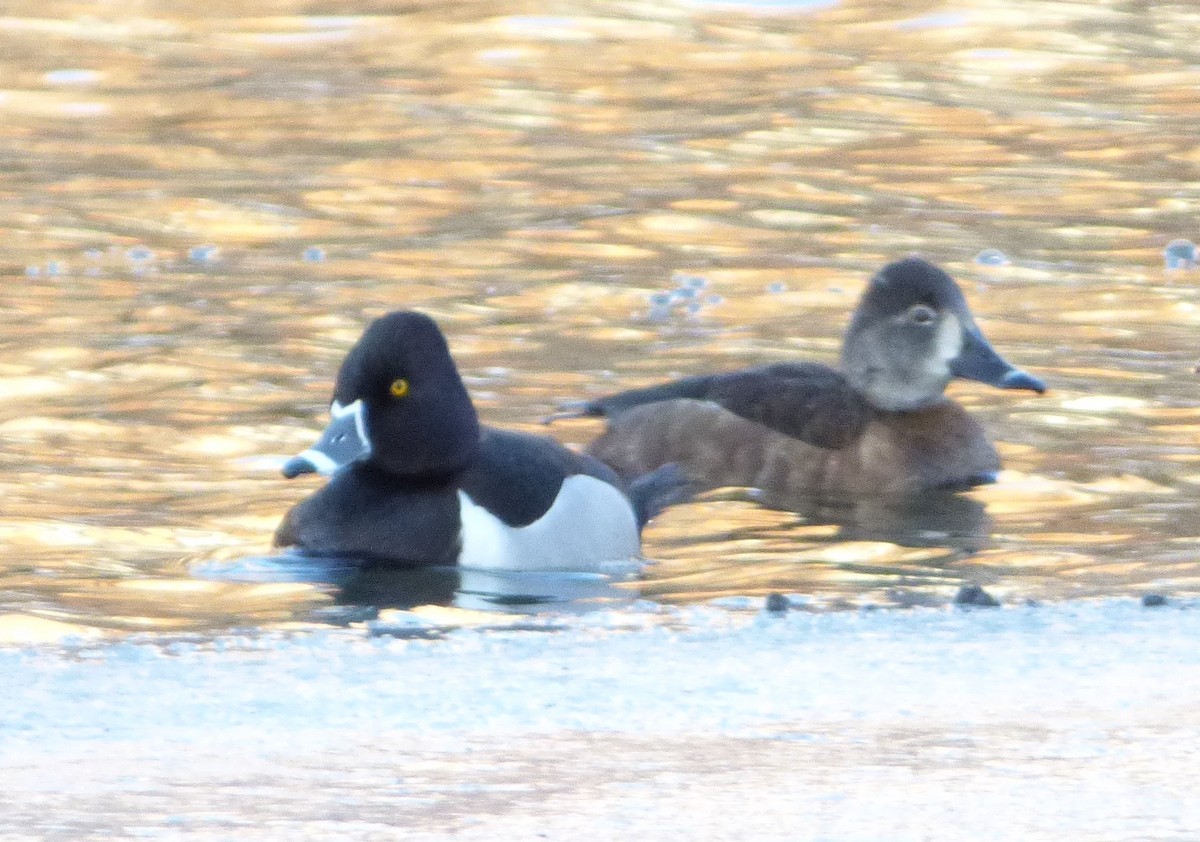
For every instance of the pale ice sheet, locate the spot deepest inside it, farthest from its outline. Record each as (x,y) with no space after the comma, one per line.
(1053,722)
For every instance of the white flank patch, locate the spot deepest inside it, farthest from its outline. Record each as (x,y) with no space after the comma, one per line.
(591,523)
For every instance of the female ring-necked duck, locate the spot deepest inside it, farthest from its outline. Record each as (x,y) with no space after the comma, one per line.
(416,480)
(878,425)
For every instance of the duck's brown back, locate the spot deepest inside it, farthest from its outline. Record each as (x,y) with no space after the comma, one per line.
(897,453)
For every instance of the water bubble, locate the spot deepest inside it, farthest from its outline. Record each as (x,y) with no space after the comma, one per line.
(33,271)
(203,254)
(776,288)
(659,313)
(94,254)
(992,257)
(314,254)
(56,267)
(715,299)
(685,300)
(1180,254)
(139,254)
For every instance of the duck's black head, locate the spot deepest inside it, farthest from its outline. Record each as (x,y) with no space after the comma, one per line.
(913,332)
(398,404)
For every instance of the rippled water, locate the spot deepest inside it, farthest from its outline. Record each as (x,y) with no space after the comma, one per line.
(200,209)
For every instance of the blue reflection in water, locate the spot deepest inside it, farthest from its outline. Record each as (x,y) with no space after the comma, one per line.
(203,254)
(937,20)
(1180,254)
(685,298)
(992,257)
(72,76)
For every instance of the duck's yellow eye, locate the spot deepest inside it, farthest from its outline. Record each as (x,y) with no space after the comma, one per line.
(399,388)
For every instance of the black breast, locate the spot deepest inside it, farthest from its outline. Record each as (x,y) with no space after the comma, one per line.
(368,514)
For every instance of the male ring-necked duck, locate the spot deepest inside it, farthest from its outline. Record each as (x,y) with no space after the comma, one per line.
(416,480)
(878,425)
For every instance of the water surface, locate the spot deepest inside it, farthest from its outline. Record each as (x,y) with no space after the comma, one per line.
(201,208)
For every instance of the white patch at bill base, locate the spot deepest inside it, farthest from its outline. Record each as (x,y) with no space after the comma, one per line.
(949,343)
(320,461)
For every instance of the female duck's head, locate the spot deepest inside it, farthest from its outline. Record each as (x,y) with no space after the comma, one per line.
(911,333)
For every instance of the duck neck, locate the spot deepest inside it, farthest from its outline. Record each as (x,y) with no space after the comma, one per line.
(933,404)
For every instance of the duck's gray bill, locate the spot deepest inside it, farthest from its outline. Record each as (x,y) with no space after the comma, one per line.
(1017,379)
(978,360)
(343,441)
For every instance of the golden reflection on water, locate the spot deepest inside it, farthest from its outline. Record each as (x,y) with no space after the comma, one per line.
(531,180)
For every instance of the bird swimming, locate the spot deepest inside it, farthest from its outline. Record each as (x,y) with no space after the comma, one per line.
(879,423)
(416,479)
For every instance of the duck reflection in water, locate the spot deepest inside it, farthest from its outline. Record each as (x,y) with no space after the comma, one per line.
(371,585)
(933,518)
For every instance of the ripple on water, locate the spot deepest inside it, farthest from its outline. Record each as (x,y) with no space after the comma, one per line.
(772,6)
(532,180)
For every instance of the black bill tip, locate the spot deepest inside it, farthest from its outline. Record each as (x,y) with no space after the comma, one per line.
(1017,379)
(296,466)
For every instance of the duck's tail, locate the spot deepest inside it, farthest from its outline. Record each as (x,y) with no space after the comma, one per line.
(611,406)
(574,409)
(664,486)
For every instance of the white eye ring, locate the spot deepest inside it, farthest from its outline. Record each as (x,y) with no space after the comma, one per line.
(922,314)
